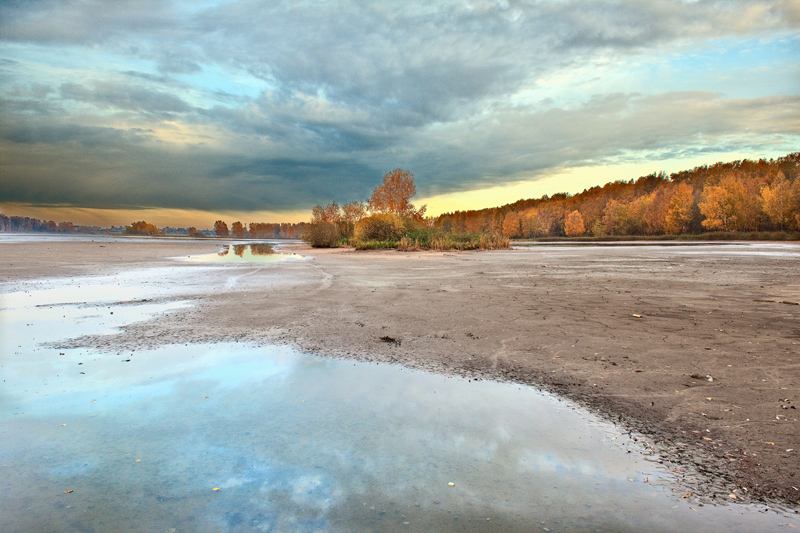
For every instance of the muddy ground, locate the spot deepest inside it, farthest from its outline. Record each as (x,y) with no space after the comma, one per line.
(696,347)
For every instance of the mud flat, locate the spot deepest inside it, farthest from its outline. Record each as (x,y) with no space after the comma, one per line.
(697,347)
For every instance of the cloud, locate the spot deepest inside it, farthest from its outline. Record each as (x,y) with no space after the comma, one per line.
(124,96)
(123,168)
(281,105)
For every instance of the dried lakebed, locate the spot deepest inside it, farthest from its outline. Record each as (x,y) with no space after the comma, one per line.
(139,440)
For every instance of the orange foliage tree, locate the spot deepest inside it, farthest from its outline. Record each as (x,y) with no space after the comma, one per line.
(781,202)
(221,228)
(573,224)
(723,205)
(679,212)
(237,229)
(393,195)
(616,216)
(512,225)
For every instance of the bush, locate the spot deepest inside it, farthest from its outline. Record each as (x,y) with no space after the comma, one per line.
(379,227)
(322,235)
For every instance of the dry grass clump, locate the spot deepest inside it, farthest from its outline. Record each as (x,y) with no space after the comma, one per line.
(468,241)
(432,239)
(408,245)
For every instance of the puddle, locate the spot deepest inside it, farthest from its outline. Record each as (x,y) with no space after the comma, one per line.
(138,441)
(245,253)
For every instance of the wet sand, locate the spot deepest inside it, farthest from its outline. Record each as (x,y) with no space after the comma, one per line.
(695,346)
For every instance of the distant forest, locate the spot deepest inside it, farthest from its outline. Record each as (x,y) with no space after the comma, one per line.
(739,196)
(278,230)
(19,224)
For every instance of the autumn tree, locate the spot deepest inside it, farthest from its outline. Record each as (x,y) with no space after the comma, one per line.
(352,214)
(533,224)
(637,214)
(393,195)
(679,212)
(330,213)
(781,201)
(615,218)
(261,229)
(475,222)
(573,224)
(512,225)
(141,228)
(221,228)
(723,204)
(655,214)
(237,229)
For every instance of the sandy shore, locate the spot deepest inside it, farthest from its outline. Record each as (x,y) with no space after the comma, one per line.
(697,347)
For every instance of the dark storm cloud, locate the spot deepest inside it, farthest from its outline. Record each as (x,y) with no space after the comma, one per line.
(124,96)
(55,133)
(336,93)
(101,168)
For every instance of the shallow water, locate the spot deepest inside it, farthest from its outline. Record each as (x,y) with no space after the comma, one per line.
(295,442)
(245,253)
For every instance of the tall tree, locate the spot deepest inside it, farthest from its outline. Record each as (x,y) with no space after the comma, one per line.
(679,213)
(237,229)
(780,201)
(330,213)
(352,213)
(512,225)
(723,204)
(393,195)
(656,212)
(616,217)
(637,210)
(221,228)
(573,224)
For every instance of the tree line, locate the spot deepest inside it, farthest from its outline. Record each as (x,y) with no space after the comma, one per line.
(18,224)
(740,196)
(260,230)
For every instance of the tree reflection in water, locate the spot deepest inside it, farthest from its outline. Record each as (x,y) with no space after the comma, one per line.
(261,248)
(239,249)
(224,252)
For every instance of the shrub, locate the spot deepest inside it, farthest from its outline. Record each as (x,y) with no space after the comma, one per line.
(322,235)
(379,227)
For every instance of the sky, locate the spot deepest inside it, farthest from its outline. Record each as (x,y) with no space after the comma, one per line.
(180,112)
